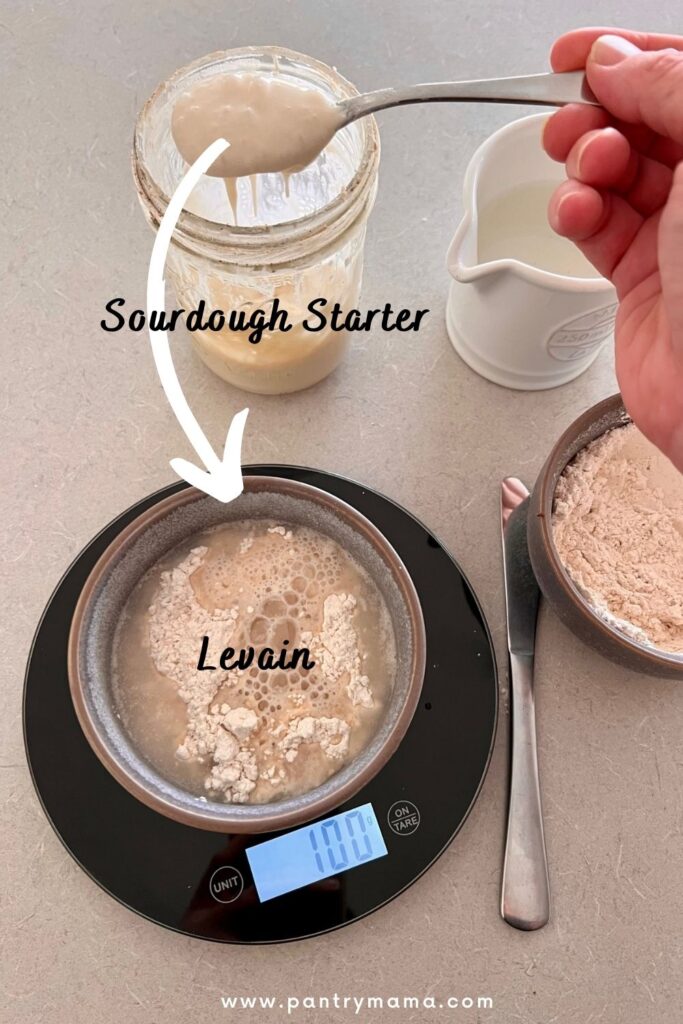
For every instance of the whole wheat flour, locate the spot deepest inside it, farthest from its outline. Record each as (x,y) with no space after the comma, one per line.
(618,528)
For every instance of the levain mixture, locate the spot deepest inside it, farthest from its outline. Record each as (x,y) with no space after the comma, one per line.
(253,735)
(618,528)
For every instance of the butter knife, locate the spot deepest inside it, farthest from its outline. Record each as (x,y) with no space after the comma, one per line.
(525,898)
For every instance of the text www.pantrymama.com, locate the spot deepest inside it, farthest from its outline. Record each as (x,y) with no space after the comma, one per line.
(355,1004)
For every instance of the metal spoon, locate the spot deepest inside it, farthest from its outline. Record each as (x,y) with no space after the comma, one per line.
(546,90)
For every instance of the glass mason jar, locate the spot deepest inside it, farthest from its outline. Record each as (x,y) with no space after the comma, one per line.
(295,237)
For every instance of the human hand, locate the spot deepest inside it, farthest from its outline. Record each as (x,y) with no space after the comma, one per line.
(623,207)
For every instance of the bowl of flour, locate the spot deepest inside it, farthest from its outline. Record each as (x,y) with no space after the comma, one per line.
(606,540)
(247,667)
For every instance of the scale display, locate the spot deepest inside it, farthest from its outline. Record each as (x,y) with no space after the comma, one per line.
(314,852)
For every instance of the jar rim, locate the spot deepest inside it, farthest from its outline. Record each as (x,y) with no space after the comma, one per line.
(251,238)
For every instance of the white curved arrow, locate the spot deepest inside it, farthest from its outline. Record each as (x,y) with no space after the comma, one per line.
(223,477)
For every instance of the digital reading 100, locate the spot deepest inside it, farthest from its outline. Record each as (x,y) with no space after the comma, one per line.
(314,852)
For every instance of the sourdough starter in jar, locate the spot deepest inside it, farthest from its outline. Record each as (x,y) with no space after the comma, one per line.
(250,735)
(295,236)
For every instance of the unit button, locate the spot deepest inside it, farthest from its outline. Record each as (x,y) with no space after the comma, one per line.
(226,884)
(403,818)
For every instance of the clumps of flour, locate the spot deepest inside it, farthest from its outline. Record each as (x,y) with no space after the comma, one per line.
(283,531)
(336,646)
(215,733)
(331,733)
(618,529)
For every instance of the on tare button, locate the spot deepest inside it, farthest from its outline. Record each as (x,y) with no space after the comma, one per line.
(226,884)
(403,818)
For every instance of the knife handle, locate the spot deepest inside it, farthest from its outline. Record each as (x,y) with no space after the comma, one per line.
(525,901)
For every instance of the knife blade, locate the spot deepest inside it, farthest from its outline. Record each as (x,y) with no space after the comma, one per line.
(525,897)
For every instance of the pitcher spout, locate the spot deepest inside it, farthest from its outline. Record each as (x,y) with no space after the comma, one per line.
(462,258)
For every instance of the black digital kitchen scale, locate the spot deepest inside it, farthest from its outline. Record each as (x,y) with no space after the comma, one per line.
(305,880)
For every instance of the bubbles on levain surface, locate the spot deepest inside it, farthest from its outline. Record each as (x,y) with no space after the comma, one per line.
(278,577)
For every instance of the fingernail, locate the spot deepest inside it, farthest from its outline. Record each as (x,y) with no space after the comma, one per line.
(577,159)
(609,50)
(554,216)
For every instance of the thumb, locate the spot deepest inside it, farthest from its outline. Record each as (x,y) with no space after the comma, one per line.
(671,259)
(638,86)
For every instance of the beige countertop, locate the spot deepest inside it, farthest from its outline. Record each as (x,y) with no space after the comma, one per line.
(87,432)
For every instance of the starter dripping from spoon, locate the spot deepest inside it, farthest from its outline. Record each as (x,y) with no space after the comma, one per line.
(273,125)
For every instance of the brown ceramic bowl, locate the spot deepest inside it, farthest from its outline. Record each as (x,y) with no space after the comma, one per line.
(551,574)
(138,548)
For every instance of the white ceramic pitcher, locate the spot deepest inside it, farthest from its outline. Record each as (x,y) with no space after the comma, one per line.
(516,324)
